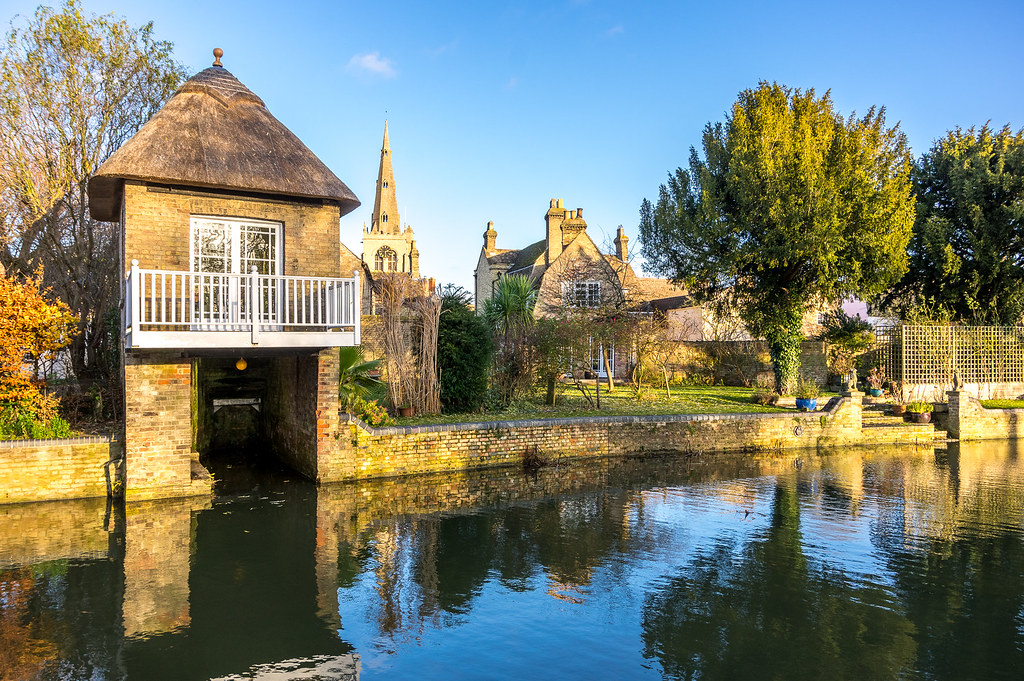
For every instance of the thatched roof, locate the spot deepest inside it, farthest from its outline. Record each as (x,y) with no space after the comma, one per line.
(215,133)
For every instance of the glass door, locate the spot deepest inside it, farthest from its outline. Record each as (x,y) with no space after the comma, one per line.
(223,252)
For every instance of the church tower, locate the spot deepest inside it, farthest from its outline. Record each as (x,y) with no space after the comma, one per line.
(387,246)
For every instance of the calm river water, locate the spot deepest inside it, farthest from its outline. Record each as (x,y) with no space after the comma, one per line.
(862,564)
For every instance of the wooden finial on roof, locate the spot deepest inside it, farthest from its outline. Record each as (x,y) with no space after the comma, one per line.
(217,54)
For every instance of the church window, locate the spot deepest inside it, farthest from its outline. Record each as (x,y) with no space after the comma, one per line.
(383,217)
(386,260)
(384,184)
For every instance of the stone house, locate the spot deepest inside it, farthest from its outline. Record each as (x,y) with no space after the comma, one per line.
(568,268)
(237,290)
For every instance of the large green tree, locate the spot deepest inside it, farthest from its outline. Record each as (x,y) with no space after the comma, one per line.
(791,205)
(967,252)
(73,88)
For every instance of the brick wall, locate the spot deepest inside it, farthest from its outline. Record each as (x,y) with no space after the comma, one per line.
(158,427)
(301,410)
(744,362)
(39,470)
(156,230)
(968,420)
(367,453)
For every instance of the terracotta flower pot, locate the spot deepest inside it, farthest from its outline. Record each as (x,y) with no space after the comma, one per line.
(406,411)
(899,409)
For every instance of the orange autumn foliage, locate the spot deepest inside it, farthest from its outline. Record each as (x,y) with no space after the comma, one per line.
(31,328)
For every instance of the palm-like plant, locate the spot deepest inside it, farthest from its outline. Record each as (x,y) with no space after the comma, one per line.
(354,379)
(510,309)
(509,313)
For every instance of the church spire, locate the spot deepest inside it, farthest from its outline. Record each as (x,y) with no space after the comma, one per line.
(385,206)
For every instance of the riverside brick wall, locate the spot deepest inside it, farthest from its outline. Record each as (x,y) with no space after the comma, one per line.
(41,470)
(368,453)
(158,427)
(968,420)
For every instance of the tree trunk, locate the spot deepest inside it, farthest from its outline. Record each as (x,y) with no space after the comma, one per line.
(549,397)
(607,368)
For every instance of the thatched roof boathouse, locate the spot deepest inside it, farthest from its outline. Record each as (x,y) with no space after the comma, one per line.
(238,290)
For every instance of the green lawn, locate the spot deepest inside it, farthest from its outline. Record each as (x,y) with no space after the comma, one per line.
(684,400)
(1003,404)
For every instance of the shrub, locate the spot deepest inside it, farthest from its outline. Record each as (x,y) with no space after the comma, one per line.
(806,390)
(764,396)
(18,422)
(920,407)
(463,353)
(371,413)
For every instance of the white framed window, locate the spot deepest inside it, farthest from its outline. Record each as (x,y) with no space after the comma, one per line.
(224,248)
(234,246)
(582,293)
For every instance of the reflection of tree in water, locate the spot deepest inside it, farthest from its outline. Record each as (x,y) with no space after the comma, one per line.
(959,581)
(765,611)
(54,622)
(431,568)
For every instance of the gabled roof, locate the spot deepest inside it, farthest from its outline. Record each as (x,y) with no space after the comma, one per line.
(527,257)
(215,133)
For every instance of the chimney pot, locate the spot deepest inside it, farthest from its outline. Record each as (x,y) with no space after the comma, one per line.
(579,212)
(559,203)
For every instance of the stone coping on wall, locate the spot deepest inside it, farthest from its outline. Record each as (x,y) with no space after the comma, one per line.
(60,441)
(829,409)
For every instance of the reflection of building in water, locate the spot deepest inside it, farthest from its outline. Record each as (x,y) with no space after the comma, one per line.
(158,549)
(54,530)
(318,668)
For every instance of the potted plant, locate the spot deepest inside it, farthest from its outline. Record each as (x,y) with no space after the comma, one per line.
(406,410)
(876,379)
(919,412)
(806,394)
(899,402)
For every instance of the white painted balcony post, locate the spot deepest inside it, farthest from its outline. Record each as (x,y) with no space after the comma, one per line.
(134,294)
(254,299)
(355,306)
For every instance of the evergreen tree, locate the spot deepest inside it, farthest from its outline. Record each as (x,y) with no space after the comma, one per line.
(463,352)
(791,205)
(967,252)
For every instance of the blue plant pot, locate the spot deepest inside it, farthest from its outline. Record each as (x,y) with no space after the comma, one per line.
(807,404)
(875,392)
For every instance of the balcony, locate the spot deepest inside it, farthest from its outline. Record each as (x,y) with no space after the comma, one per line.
(203,310)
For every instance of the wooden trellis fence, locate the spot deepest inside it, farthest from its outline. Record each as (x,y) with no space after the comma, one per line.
(920,355)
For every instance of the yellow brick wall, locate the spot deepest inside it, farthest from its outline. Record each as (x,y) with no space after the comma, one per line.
(38,470)
(362,454)
(156,229)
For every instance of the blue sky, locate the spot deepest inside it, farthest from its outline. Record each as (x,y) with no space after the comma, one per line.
(497,107)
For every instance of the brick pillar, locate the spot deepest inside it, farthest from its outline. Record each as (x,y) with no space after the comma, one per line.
(854,417)
(327,405)
(955,419)
(158,427)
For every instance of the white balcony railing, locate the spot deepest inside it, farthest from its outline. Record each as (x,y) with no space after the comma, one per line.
(168,309)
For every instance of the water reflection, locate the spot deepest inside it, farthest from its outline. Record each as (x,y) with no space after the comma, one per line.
(866,564)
